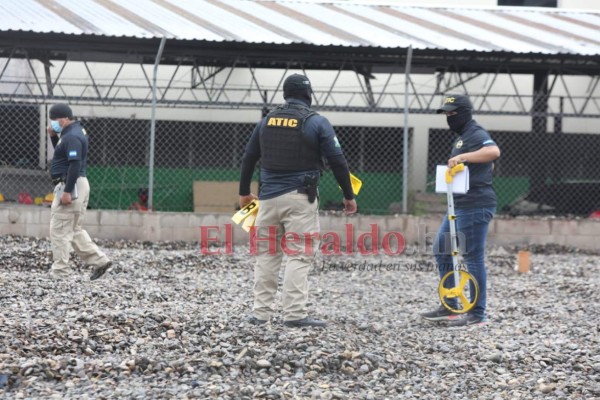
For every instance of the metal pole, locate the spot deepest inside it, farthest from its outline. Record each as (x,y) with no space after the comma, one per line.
(405,138)
(153,125)
(453,234)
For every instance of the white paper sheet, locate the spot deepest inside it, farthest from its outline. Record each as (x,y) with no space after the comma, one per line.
(460,183)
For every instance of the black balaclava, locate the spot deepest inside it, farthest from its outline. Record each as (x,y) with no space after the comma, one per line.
(461,104)
(456,122)
(298,87)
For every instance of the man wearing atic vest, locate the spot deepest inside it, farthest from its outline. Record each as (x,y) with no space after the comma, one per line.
(291,142)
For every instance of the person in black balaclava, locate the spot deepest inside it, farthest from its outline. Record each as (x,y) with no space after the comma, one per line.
(298,87)
(474,210)
(459,112)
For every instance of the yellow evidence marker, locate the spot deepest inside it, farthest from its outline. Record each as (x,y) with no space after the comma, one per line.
(246,215)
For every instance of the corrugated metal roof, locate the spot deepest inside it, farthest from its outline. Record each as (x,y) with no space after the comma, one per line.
(510,29)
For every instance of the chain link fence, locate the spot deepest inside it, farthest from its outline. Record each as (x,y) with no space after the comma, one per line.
(23,176)
(538,173)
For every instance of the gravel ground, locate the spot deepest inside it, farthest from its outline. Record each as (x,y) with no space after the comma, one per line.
(168,322)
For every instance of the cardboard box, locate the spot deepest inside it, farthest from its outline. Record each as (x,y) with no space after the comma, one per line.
(221,197)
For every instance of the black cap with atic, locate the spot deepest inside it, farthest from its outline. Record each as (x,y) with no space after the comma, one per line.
(60,110)
(296,85)
(453,102)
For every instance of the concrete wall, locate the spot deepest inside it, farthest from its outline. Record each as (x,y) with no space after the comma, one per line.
(162,226)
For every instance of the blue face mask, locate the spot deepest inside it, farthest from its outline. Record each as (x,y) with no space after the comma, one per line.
(56,126)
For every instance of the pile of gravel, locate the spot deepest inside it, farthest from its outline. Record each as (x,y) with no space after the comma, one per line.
(168,322)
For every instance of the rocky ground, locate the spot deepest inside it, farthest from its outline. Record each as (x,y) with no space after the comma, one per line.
(168,322)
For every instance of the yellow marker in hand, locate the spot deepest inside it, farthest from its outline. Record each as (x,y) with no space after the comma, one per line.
(356,184)
(247,215)
(249,221)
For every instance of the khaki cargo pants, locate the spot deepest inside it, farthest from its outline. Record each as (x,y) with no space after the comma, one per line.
(66,232)
(290,214)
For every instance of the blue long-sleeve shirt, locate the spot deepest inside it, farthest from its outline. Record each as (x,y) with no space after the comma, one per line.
(70,155)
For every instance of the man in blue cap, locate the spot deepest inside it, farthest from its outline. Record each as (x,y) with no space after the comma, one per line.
(474,210)
(71,196)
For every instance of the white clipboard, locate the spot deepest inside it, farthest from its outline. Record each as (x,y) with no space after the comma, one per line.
(460,183)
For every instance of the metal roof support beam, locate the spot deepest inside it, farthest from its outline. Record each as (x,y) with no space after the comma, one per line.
(211,88)
(59,73)
(551,88)
(415,91)
(235,63)
(405,131)
(37,81)
(112,84)
(597,106)
(514,85)
(461,81)
(94,82)
(366,92)
(539,125)
(385,85)
(272,99)
(489,88)
(327,94)
(369,92)
(150,86)
(593,85)
(203,81)
(562,79)
(49,87)
(170,81)
(196,72)
(161,47)
(6,65)
(455,79)
(253,75)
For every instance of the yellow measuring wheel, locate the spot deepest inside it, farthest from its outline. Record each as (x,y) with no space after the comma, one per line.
(464,304)
(462,279)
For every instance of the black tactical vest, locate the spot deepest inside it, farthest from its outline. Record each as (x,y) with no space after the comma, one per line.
(283,144)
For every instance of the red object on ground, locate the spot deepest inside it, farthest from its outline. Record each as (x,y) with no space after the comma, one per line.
(25,198)
(595,215)
(138,206)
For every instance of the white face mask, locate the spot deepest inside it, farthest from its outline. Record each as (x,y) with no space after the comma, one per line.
(56,126)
